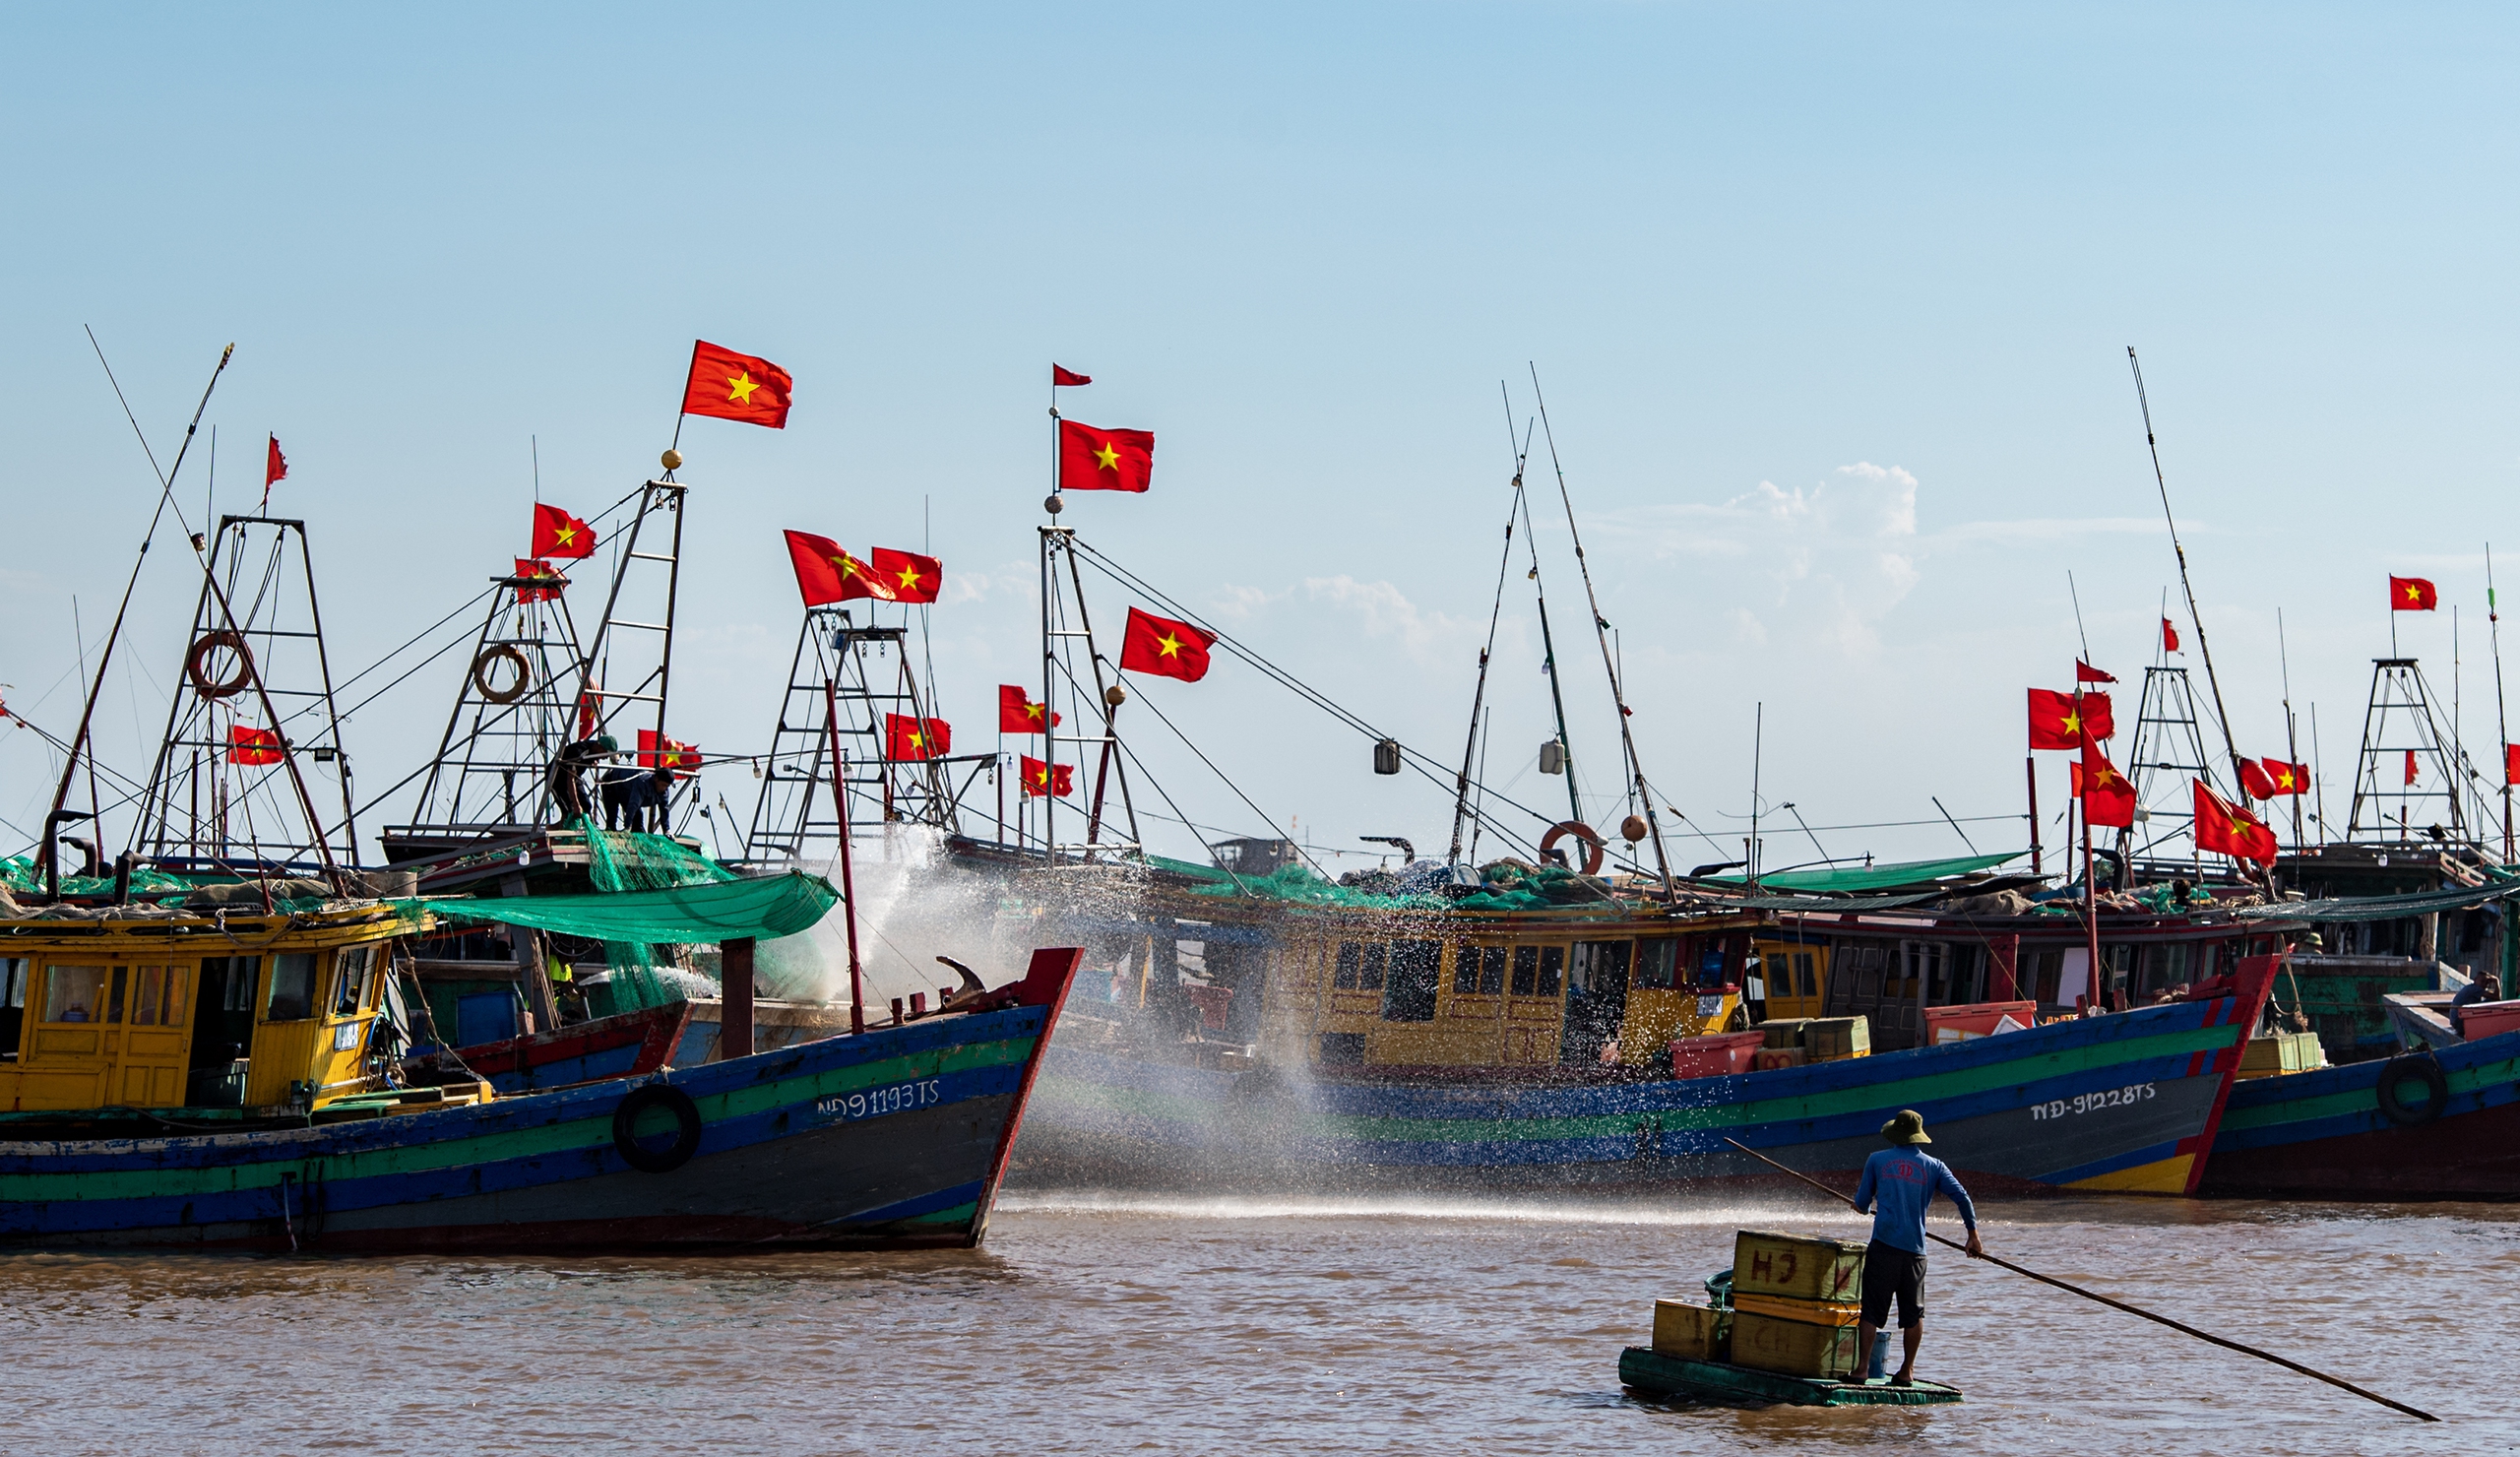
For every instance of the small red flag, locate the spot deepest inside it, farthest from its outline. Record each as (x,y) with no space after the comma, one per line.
(1105,460)
(906,737)
(2058,721)
(1060,374)
(826,573)
(913,578)
(558,534)
(1047,778)
(2411,594)
(1166,648)
(657,752)
(275,465)
(2169,637)
(736,387)
(2108,798)
(2410,766)
(1016,714)
(2511,763)
(589,709)
(537,581)
(2226,830)
(2256,782)
(252,745)
(2288,779)
(2084,673)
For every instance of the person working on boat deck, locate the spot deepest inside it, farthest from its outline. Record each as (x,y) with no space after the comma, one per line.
(2485,988)
(1902,1179)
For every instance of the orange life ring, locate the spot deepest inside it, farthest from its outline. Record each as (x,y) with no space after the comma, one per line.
(197,669)
(1580,830)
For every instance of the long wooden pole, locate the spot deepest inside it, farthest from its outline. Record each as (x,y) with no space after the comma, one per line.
(847,877)
(2186,1330)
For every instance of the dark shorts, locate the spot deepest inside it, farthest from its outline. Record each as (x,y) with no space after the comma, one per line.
(1889,1270)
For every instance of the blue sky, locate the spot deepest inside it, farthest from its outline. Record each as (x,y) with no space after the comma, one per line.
(1831,303)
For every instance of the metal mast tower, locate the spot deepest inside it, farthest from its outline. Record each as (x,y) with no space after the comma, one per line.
(228,791)
(2168,740)
(840,662)
(1065,626)
(2406,778)
(511,713)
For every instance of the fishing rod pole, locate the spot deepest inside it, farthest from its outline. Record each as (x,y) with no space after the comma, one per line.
(1610,662)
(2231,747)
(2182,1329)
(166,497)
(1478,696)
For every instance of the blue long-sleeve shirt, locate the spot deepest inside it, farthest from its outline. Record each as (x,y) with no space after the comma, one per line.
(1904,1179)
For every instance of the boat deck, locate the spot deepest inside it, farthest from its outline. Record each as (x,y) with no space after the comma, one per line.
(1656,1375)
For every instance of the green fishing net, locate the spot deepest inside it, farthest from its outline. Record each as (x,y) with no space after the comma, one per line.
(623,859)
(23,876)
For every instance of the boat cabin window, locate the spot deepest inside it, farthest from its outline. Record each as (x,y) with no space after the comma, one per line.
(74,993)
(1657,961)
(13,1005)
(1600,964)
(1539,971)
(1410,995)
(1492,970)
(1360,966)
(1712,954)
(2047,974)
(350,980)
(292,997)
(158,996)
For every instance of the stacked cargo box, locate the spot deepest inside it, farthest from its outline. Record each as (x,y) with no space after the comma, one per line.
(1796,1302)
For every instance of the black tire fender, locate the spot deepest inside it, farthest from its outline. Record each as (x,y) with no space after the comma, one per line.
(2421,1067)
(686,1136)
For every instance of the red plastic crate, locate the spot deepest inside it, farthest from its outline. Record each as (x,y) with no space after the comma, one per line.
(1713,1057)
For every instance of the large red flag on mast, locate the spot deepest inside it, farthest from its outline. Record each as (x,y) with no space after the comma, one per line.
(2226,828)
(736,387)
(1092,459)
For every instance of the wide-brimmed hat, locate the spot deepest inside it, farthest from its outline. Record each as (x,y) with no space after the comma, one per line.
(1908,1127)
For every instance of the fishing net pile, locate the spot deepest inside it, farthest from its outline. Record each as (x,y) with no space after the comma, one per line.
(625,859)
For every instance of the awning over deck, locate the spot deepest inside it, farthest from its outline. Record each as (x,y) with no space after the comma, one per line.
(761,908)
(1887,876)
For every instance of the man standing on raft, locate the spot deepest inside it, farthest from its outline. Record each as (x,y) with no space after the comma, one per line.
(1904,1179)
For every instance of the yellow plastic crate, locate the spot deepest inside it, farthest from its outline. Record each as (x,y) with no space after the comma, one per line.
(1695,1332)
(1797,1267)
(1794,1348)
(1809,1312)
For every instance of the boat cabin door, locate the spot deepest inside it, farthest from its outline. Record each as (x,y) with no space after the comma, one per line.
(1595,1000)
(104,1037)
(1797,976)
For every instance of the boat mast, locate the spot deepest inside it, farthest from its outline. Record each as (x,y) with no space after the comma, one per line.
(1478,696)
(1549,655)
(2502,722)
(2203,648)
(1610,662)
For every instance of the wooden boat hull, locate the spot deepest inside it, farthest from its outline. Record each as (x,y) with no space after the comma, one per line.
(2323,1135)
(1656,1375)
(630,1044)
(2126,1102)
(897,1138)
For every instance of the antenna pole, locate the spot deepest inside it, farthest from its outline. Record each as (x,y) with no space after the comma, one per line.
(2502,722)
(2195,618)
(1478,696)
(1610,662)
(2291,731)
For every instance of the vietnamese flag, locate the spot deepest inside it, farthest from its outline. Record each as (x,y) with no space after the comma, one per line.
(1060,374)
(1047,778)
(1016,714)
(2411,594)
(658,752)
(2410,767)
(736,387)
(2511,762)
(1105,460)
(1165,648)
(558,534)
(537,581)
(826,573)
(2225,830)
(2256,782)
(906,737)
(2169,637)
(247,746)
(913,578)
(2108,798)
(2084,673)
(2058,720)
(2288,779)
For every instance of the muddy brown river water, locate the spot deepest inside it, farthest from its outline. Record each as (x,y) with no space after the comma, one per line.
(1100,1326)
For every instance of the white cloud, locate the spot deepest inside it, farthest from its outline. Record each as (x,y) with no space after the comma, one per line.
(1383,611)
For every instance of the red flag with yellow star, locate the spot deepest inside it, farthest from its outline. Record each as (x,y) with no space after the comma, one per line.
(2285,778)
(2058,721)
(1092,459)
(1018,714)
(558,534)
(907,738)
(1047,778)
(2411,594)
(537,581)
(2108,798)
(826,573)
(2256,782)
(250,745)
(736,387)
(1165,648)
(2226,830)
(913,578)
(655,751)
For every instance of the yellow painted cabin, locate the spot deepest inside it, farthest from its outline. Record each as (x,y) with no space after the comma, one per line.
(161,1012)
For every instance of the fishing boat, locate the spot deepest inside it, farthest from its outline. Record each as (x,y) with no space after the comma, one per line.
(627,1045)
(891,1137)
(1642,1368)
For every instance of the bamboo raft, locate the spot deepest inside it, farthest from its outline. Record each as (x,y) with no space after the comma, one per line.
(1641,1369)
